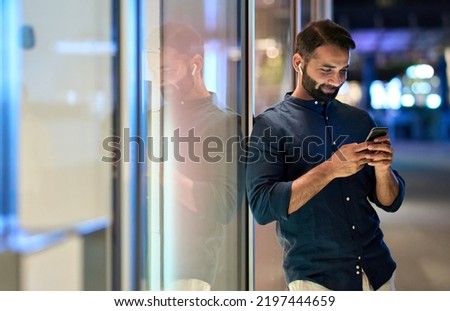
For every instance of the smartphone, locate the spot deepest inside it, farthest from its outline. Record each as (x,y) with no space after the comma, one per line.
(376,132)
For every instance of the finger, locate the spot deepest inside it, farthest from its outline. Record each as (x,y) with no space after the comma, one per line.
(382,155)
(380,163)
(380,148)
(362,146)
(382,139)
(379,155)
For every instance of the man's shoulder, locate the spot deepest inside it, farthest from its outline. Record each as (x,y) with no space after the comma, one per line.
(273,118)
(350,108)
(273,111)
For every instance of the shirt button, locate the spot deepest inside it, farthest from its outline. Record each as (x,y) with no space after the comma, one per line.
(347,199)
(353,227)
(326,118)
(359,257)
(357,267)
(334,143)
(316,102)
(357,272)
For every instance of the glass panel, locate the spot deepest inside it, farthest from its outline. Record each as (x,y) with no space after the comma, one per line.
(62,107)
(273,71)
(197,234)
(66,112)
(274,42)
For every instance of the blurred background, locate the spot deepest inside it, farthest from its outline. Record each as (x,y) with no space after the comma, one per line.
(74,73)
(399,73)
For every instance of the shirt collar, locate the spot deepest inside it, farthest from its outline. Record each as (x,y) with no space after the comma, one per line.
(312,104)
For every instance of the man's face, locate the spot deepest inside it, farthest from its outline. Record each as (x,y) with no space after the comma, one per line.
(325,73)
(316,90)
(176,81)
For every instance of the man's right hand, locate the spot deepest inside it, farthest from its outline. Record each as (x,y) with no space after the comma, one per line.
(348,160)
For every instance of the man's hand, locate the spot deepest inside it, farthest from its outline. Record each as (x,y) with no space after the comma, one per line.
(380,153)
(348,159)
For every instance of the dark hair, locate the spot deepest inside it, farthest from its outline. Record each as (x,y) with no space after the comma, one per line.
(183,38)
(319,33)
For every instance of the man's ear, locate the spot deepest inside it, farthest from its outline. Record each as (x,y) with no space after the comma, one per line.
(196,63)
(297,62)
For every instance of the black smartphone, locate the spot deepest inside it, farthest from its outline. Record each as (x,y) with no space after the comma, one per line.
(376,132)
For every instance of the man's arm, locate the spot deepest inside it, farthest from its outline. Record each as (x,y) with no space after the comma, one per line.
(308,185)
(387,185)
(348,160)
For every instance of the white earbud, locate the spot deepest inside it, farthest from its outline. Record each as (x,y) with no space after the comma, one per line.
(194,69)
(300,68)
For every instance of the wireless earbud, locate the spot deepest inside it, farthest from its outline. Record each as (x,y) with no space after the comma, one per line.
(194,69)
(300,68)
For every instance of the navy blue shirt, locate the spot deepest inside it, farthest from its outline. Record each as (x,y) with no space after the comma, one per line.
(336,234)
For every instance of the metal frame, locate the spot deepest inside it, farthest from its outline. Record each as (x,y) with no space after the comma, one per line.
(248,32)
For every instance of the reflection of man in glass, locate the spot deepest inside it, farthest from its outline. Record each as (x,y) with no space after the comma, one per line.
(200,172)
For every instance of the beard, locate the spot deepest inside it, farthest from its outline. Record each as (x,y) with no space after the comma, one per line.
(309,84)
(177,90)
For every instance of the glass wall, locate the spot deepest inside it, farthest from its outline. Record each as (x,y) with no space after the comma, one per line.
(275,32)
(193,72)
(273,78)
(65,113)
(60,107)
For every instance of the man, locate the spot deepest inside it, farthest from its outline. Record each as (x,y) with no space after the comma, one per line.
(200,171)
(310,170)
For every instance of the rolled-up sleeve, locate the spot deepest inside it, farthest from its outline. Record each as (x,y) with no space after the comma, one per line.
(398,200)
(267,191)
